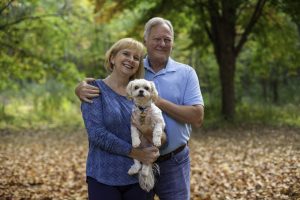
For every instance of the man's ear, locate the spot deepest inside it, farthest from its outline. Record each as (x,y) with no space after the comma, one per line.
(129,90)
(154,93)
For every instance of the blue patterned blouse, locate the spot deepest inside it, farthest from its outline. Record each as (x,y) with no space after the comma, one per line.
(107,121)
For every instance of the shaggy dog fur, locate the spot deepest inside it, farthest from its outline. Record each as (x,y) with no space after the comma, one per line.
(143,93)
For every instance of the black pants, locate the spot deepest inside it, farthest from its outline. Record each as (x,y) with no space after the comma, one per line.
(99,191)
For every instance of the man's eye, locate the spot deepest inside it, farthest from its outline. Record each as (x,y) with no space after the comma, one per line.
(146,88)
(136,87)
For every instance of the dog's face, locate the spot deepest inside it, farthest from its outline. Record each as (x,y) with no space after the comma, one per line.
(141,91)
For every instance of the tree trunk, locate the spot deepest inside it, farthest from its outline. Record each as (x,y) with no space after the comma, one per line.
(227,70)
(221,30)
(223,37)
(274,86)
(263,84)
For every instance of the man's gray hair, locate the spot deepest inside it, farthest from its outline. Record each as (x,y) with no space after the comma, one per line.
(154,22)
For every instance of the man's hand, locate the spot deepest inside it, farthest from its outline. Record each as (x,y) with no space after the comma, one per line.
(86,92)
(146,127)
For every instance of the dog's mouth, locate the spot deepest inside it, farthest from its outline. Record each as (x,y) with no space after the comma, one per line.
(141,95)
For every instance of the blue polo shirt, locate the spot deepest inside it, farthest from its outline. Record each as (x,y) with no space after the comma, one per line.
(179,84)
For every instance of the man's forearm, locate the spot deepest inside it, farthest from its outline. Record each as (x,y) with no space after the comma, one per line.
(182,113)
(86,92)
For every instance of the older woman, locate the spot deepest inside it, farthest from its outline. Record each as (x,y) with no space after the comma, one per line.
(107,122)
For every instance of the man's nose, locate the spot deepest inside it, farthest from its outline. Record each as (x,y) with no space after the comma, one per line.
(162,42)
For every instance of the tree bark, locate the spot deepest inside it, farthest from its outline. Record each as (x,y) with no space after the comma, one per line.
(274,86)
(264,90)
(222,33)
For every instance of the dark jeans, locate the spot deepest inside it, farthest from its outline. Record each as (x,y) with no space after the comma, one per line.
(174,180)
(99,191)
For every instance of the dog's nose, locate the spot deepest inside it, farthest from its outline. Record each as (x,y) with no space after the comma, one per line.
(141,92)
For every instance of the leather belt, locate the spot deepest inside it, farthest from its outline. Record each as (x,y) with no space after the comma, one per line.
(169,155)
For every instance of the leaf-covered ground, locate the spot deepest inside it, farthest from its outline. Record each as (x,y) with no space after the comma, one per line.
(241,163)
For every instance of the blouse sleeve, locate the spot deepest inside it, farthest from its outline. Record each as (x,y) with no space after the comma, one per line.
(98,135)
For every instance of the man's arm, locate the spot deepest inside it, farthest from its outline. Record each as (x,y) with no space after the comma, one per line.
(192,109)
(86,92)
(183,113)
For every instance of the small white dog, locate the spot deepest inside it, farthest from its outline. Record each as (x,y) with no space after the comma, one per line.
(143,93)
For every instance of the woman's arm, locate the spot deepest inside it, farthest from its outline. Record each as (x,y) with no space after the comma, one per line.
(98,135)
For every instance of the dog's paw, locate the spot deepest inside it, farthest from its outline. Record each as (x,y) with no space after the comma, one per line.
(134,169)
(157,141)
(136,142)
(145,171)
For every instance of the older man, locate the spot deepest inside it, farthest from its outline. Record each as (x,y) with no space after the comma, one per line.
(181,102)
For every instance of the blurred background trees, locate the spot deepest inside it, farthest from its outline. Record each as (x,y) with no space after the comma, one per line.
(246,54)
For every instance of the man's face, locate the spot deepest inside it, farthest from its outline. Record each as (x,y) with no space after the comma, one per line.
(159,43)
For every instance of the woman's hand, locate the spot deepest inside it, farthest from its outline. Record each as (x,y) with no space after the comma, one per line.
(147,155)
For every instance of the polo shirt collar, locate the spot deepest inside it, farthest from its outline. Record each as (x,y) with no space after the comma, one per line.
(170,67)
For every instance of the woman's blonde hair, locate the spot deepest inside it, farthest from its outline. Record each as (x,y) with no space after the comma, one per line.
(126,43)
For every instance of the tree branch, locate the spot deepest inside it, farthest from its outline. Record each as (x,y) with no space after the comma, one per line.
(27,53)
(213,8)
(254,18)
(27,18)
(6,6)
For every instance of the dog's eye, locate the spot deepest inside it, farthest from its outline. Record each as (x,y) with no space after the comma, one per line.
(136,87)
(146,88)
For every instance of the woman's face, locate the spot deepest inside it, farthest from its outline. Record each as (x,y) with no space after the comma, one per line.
(126,61)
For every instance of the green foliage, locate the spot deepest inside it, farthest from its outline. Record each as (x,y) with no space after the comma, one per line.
(270,61)
(268,114)
(48,46)
(44,47)
(253,112)
(49,105)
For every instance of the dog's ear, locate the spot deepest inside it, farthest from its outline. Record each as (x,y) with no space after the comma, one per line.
(154,93)
(129,90)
